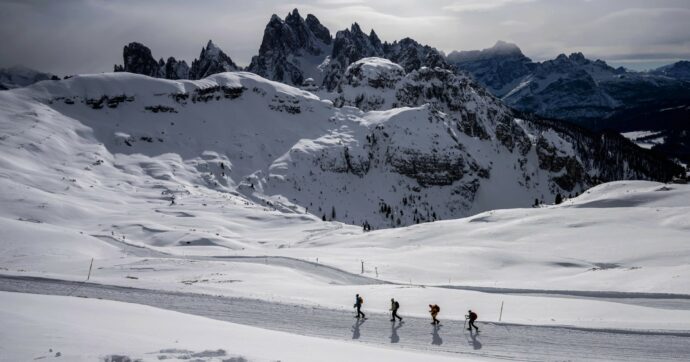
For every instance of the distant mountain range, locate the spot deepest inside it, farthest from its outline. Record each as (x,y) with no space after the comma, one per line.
(302,52)
(589,93)
(19,76)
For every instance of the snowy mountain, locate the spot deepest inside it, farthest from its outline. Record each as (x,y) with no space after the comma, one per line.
(19,76)
(678,70)
(293,50)
(353,44)
(440,147)
(156,216)
(497,68)
(572,87)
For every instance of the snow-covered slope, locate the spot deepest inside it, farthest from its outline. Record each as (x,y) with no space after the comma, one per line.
(201,187)
(447,150)
(79,329)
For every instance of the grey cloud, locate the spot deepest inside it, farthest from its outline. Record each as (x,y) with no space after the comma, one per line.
(72,36)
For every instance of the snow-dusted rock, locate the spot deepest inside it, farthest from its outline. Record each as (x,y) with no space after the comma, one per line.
(175,69)
(292,49)
(212,60)
(678,70)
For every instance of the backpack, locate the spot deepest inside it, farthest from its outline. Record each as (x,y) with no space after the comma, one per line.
(397,305)
(438,309)
(361,300)
(473,316)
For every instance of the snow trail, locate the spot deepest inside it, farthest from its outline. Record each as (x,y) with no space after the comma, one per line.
(503,341)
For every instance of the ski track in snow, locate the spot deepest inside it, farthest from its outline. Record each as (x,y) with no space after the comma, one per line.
(502,341)
(341,277)
(335,275)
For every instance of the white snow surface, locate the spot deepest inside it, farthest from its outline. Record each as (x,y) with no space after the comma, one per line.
(73,190)
(77,329)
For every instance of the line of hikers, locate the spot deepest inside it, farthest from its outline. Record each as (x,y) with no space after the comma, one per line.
(434,309)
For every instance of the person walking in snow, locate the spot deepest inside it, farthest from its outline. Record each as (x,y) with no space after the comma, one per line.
(394,310)
(472,316)
(434,310)
(358,304)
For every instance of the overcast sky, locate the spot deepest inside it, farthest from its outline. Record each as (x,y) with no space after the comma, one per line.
(80,36)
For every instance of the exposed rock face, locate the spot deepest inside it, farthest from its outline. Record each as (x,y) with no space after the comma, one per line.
(176,69)
(212,60)
(292,50)
(138,59)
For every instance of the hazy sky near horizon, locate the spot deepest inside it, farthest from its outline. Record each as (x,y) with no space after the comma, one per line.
(87,36)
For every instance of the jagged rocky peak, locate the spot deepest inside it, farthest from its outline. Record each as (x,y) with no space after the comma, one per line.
(212,60)
(138,59)
(577,62)
(175,69)
(292,49)
(350,45)
(321,32)
(353,44)
(577,57)
(308,34)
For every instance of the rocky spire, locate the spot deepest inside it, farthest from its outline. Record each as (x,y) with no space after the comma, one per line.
(212,60)
(138,59)
(289,46)
(175,69)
